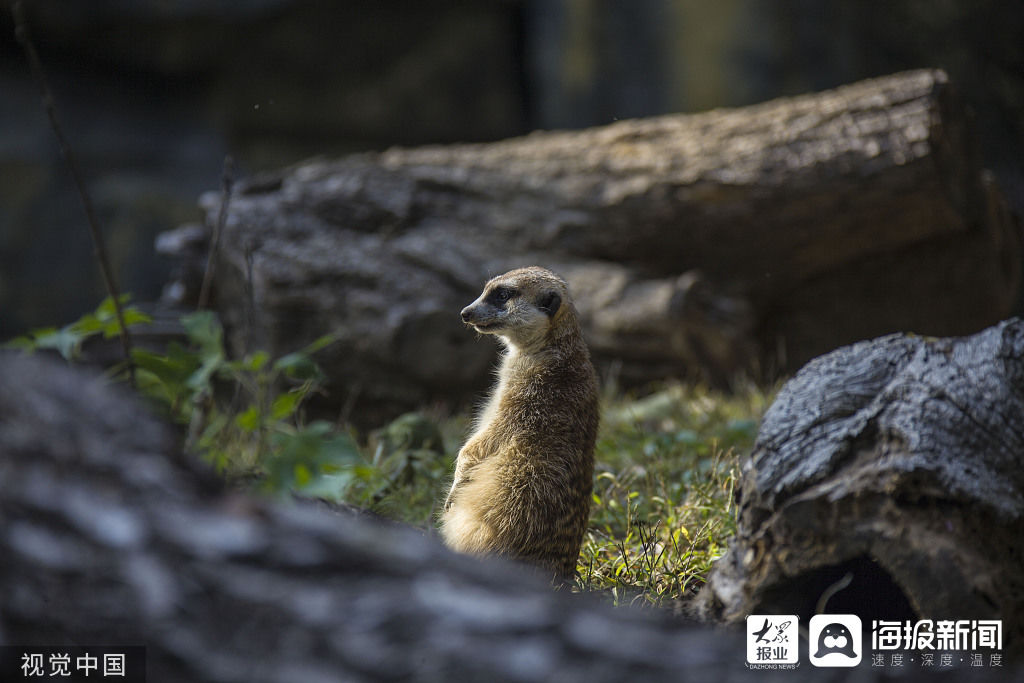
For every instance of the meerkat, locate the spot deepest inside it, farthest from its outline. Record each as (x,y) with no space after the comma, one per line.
(523,479)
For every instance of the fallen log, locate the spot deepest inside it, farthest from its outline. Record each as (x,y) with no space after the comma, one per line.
(897,463)
(110,539)
(732,241)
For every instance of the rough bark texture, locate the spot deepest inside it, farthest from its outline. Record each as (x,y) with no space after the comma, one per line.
(901,462)
(804,223)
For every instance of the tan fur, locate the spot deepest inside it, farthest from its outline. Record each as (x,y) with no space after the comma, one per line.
(523,479)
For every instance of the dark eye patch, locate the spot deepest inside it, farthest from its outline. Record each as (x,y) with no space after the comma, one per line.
(500,295)
(549,303)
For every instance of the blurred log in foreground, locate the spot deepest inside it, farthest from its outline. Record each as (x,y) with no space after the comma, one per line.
(900,463)
(109,540)
(711,244)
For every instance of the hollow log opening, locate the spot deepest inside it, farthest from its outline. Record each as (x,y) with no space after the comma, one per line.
(859,586)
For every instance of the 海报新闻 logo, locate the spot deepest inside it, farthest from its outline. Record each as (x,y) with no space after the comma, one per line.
(835,640)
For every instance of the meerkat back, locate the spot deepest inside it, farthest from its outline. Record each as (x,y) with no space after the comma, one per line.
(523,479)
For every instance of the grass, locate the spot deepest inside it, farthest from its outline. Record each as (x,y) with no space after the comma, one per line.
(663,510)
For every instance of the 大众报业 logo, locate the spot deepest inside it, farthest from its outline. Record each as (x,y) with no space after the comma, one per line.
(772,639)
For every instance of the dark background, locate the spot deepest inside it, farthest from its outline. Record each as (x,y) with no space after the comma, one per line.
(154,93)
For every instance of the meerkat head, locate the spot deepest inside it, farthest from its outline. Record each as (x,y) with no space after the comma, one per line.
(521,306)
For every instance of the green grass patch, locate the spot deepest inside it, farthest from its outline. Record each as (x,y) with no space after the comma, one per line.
(662,509)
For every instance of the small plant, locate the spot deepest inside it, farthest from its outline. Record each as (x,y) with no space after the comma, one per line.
(68,340)
(244,416)
(406,475)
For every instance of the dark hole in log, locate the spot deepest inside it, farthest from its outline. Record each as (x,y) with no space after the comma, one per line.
(872,593)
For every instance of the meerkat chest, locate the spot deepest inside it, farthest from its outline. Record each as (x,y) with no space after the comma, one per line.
(497,418)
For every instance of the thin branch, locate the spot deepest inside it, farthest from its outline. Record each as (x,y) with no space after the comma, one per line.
(99,248)
(250,298)
(227,181)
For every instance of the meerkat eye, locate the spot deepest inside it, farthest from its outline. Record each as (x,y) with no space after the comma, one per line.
(501,295)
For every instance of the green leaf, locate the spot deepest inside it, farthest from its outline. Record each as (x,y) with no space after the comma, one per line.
(65,341)
(315,446)
(302,475)
(88,324)
(68,339)
(200,379)
(106,308)
(213,429)
(249,420)
(204,330)
(23,343)
(132,316)
(299,366)
(285,405)
(255,362)
(173,368)
(330,486)
(104,319)
(319,344)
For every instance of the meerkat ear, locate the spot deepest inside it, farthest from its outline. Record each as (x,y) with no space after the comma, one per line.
(549,302)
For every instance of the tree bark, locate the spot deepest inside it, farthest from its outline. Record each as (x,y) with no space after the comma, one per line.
(808,222)
(899,462)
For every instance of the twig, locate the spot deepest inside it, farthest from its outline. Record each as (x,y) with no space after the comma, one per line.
(196,422)
(250,298)
(227,181)
(99,248)
(693,546)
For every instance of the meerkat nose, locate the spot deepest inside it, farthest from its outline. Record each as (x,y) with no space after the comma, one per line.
(467,314)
